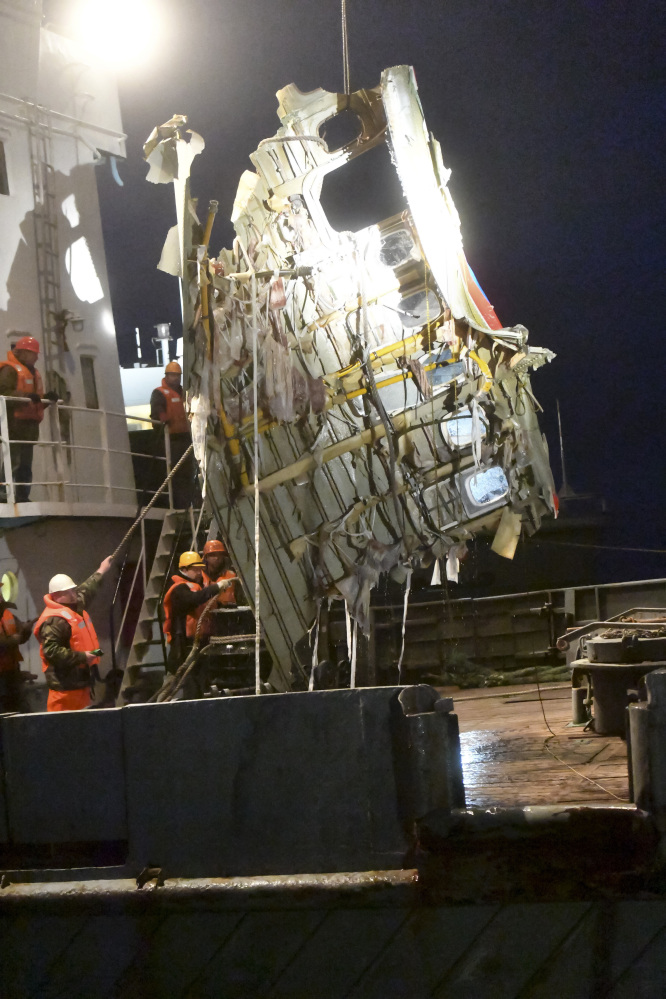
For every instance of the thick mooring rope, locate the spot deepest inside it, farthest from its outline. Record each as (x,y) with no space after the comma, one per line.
(152,503)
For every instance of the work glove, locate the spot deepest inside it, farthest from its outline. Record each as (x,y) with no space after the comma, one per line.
(52,396)
(34,397)
(224,584)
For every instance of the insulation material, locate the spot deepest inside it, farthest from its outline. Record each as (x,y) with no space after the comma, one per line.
(395,412)
(507,535)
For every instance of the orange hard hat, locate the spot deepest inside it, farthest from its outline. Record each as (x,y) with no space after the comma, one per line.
(27,343)
(214,546)
(173,367)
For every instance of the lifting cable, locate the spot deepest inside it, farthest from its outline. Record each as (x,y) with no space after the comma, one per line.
(345,49)
(257,525)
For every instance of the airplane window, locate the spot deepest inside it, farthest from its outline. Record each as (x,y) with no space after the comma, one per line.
(488,486)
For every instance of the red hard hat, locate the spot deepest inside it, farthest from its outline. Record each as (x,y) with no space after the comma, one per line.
(27,343)
(214,546)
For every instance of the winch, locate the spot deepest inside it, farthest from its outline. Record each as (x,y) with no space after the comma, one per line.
(610,662)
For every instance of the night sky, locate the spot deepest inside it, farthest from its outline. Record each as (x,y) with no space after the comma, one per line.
(551,117)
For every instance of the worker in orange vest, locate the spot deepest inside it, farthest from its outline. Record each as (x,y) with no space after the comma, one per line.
(167,408)
(68,641)
(20,379)
(13,632)
(183,605)
(218,568)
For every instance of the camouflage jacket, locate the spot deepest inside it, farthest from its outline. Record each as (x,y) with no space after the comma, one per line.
(64,665)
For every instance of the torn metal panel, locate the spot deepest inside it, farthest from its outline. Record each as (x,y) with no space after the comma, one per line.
(396,417)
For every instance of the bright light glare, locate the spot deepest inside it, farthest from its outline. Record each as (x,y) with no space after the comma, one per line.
(122,32)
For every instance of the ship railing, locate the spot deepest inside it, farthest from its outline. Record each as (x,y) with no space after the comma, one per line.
(83,456)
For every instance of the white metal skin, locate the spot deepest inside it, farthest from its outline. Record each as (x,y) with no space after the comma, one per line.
(391,432)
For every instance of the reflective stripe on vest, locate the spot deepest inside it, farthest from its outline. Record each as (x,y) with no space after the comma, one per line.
(10,656)
(191,619)
(27,382)
(176,417)
(84,637)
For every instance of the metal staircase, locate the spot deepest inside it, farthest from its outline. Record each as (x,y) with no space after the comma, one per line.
(146,661)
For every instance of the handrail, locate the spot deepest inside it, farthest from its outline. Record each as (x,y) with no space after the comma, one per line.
(67,457)
(83,409)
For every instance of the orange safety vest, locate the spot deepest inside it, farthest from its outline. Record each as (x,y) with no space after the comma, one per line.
(191,619)
(27,382)
(176,417)
(84,639)
(227,596)
(10,656)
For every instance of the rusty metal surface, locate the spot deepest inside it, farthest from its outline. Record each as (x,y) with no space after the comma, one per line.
(337,950)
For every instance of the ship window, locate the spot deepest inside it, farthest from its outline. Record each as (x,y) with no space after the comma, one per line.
(4,179)
(89,382)
(488,486)
(364,191)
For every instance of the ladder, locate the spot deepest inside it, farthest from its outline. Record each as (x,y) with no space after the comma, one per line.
(145,663)
(45,219)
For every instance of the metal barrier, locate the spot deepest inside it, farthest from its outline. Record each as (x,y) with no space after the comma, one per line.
(498,630)
(82,456)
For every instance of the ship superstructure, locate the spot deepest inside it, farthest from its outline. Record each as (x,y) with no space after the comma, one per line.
(59,122)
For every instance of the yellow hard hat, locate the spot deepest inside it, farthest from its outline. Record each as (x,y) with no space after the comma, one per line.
(173,367)
(190,560)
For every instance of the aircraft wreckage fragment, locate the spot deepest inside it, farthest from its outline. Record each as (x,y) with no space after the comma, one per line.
(396,418)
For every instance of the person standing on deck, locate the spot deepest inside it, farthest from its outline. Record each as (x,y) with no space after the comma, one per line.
(19,378)
(68,640)
(167,406)
(13,632)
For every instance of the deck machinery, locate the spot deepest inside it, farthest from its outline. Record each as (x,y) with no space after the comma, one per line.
(395,417)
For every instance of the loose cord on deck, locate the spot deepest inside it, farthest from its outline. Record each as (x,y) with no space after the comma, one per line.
(553,735)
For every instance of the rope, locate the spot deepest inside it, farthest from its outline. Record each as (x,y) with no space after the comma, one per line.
(195,534)
(553,735)
(152,503)
(173,684)
(604,548)
(408,586)
(345,49)
(257,525)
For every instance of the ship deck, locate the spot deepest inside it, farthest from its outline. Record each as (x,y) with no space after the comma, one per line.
(509,755)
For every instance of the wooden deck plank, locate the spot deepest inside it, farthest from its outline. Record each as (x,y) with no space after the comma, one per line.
(508,750)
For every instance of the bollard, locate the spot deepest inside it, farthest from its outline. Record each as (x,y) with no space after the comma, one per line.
(428,753)
(647,748)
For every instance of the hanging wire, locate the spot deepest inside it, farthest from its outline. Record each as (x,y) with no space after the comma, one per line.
(345,49)
(405,608)
(257,579)
(352,658)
